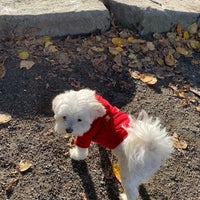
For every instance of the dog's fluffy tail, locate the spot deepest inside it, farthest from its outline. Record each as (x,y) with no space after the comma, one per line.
(147,143)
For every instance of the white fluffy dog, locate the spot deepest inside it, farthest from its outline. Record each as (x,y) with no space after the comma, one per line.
(139,144)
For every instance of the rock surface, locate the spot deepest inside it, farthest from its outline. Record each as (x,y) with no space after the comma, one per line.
(52,18)
(74,17)
(154,16)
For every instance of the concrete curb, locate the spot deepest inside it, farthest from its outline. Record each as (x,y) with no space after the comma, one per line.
(68,18)
(154,16)
(75,17)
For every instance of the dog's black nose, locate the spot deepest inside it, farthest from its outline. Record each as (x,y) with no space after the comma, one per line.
(69,130)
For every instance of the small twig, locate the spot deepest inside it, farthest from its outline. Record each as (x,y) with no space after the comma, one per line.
(195,91)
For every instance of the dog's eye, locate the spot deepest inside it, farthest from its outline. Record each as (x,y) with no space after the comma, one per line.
(64,117)
(79,120)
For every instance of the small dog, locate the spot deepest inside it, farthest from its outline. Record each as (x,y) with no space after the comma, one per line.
(139,144)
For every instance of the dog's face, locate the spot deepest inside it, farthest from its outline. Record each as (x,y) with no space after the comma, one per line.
(75,111)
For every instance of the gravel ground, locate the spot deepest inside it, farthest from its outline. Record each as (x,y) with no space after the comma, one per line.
(27,94)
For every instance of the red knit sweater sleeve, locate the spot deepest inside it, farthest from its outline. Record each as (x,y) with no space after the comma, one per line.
(83,141)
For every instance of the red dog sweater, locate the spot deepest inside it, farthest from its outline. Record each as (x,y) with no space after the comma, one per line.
(107,130)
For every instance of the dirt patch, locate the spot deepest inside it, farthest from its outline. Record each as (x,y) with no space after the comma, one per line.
(78,63)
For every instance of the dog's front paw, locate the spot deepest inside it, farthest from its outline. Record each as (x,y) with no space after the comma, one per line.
(78,153)
(123,196)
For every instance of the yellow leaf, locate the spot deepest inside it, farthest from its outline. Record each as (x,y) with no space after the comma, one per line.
(186,35)
(119,42)
(24,165)
(23,55)
(182,51)
(170,60)
(46,38)
(2,70)
(116,171)
(194,44)
(130,39)
(149,79)
(115,50)
(160,61)
(5,118)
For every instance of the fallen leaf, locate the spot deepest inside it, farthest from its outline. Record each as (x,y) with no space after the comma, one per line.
(148,78)
(99,60)
(23,55)
(97,49)
(182,51)
(194,44)
(116,171)
(46,38)
(115,50)
(185,102)
(186,35)
(134,74)
(198,108)
(160,61)
(5,118)
(193,28)
(24,165)
(130,39)
(26,64)
(117,68)
(118,59)
(179,29)
(2,70)
(50,48)
(179,144)
(132,56)
(119,42)
(170,60)
(150,46)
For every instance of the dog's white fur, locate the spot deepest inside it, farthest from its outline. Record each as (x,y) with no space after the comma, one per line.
(139,155)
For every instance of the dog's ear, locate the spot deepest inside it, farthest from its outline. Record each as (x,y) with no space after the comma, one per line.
(142,115)
(97,110)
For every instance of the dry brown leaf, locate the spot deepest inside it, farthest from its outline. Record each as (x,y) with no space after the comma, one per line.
(99,60)
(134,74)
(118,59)
(115,50)
(170,60)
(24,165)
(179,29)
(198,108)
(116,171)
(2,70)
(193,28)
(148,78)
(117,68)
(5,118)
(160,61)
(49,47)
(26,64)
(185,102)
(150,46)
(179,144)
